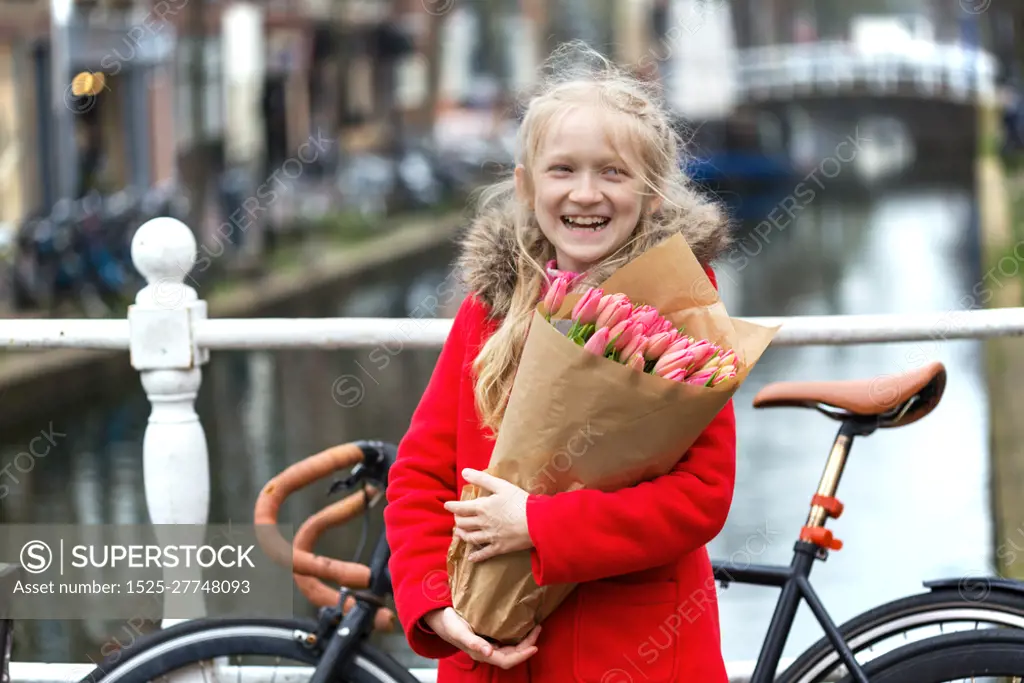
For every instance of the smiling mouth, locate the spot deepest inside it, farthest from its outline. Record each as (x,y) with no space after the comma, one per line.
(585,223)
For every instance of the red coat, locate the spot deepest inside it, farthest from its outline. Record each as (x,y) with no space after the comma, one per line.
(646,608)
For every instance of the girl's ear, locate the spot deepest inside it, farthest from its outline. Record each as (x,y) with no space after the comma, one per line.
(654,204)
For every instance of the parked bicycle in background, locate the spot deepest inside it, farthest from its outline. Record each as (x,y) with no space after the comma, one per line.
(78,254)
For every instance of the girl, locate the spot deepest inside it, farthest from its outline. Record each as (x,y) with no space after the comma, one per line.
(597,182)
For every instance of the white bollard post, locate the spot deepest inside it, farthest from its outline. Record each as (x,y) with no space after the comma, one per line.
(163,350)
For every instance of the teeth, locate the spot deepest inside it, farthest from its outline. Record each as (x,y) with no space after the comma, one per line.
(589,222)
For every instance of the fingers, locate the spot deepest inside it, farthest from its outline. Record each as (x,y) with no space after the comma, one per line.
(478,648)
(530,639)
(508,657)
(480,537)
(507,660)
(474,523)
(484,553)
(484,480)
(463,507)
(462,636)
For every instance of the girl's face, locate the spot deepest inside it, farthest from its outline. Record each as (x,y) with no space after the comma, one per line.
(586,201)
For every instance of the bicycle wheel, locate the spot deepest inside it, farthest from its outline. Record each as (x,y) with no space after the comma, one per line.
(976,656)
(902,619)
(194,642)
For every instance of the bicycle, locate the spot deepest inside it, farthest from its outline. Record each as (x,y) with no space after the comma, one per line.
(862,407)
(348,617)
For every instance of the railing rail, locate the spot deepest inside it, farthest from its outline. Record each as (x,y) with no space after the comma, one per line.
(28,672)
(352,333)
(169,338)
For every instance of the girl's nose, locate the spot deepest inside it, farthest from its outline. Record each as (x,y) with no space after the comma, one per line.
(585,192)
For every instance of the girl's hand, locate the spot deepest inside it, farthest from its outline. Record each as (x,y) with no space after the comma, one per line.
(496,522)
(454,629)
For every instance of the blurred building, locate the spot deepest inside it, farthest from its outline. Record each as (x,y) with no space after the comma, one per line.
(12,114)
(225,82)
(64,143)
(20,168)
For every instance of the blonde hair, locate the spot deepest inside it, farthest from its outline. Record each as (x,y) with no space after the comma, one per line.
(576,75)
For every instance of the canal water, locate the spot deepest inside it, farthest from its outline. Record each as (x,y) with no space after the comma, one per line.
(917,498)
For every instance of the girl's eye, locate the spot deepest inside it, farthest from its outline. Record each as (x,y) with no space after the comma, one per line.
(561,168)
(615,171)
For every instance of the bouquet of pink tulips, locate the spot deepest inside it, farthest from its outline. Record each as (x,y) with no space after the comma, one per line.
(610,326)
(639,366)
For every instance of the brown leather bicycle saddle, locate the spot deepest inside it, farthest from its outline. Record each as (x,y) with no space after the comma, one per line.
(903,398)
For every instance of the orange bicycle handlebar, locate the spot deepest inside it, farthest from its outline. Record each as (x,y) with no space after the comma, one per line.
(308,568)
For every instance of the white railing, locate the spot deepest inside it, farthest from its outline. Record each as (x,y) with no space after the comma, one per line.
(25,672)
(169,338)
(930,69)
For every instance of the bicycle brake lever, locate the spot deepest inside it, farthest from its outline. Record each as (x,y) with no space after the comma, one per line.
(339,484)
(348,482)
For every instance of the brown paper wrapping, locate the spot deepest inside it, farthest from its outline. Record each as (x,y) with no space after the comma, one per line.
(576,420)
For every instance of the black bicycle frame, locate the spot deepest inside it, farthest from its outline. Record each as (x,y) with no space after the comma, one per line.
(794,580)
(344,637)
(796,586)
(341,635)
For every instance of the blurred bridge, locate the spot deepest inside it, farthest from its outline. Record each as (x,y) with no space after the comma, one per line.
(920,70)
(915,100)
(918,96)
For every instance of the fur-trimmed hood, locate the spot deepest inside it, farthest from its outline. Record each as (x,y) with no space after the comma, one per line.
(486,262)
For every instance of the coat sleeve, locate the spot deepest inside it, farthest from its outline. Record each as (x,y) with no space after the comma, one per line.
(421,481)
(638,527)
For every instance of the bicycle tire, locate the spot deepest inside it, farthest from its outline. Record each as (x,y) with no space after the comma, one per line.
(898,617)
(158,654)
(951,657)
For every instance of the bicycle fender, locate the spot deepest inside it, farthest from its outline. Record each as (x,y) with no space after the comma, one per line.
(976,588)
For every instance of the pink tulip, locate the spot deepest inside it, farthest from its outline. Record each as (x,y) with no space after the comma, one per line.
(677,375)
(610,300)
(617,333)
(720,377)
(721,359)
(631,332)
(683,364)
(636,361)
(712,363)
(667,326)
(702,350)
(701,378)
(598,342)
(679,344)
(554,298)
(635,345)
(585,310)
(658,344)
(683,360)
(614,312)
(647,316)
(671,356)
